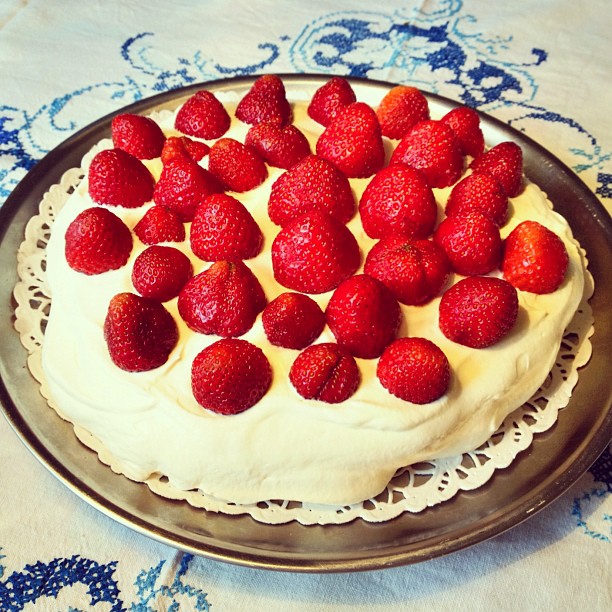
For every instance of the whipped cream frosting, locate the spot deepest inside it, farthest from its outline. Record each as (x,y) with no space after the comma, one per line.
(286,447)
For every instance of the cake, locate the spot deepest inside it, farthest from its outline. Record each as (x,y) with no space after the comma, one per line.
(148,424)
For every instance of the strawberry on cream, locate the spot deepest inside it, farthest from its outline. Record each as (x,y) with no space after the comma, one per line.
(287,447)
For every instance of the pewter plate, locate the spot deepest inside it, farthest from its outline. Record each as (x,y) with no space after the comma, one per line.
(555,460)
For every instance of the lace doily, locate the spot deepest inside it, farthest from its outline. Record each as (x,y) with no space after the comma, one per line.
(413,488)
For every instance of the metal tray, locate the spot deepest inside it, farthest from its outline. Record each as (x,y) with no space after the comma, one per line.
(555,460)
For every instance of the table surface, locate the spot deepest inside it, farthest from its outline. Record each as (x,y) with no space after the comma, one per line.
(542,67)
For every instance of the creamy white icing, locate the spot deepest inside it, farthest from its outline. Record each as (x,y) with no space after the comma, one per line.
(286,447)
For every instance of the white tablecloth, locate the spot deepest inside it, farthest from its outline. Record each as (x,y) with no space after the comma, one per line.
(544,67)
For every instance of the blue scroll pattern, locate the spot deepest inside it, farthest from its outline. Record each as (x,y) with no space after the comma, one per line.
(440,51)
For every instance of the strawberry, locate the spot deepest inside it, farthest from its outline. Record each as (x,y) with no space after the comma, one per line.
(224,299)
(230,376)
(266,100)
(117,178)
(465,123)
(160,272)
(329,99)
(478,311)
(183,146)
(480,192)
(314,253)
(398,200)
(182,185)
(159,224)
(400,110)
(535,258)
(97,241)
(471,242)
(311,184)
(415,370)
(140,136)
(237,167)
(414,270)
(202,116)
(505,162)
(292,320)
(325,372)
(353,141)
(432,147)
(223,228)
(279,146)
(363,315)
(140,333)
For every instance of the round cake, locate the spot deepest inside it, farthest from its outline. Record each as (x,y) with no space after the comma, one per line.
(149,426)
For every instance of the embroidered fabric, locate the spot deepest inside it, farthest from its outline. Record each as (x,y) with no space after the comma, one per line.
(412,489)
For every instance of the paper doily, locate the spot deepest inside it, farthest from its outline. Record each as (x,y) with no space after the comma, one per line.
(413,488)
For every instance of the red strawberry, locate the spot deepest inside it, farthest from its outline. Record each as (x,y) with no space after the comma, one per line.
(471,242)
(465,122)
(363,315)
(97,241)
(230,376)
(265,101)
(400,110)
(182,185)
(279,146)
(292,320)
(183,146)
(505,162)
(415,370)
(223,228)
(325,372)
(480,192)
(160,224)
(140,333)
(140,136)
(203,116)
(353,141)
(432,147)
(314,253)
(224,299)
(478,311)
(312,184)
(160,272)
(414,270)
(398,200)
(535,258)
(329,99)
(237,167)
(117,178)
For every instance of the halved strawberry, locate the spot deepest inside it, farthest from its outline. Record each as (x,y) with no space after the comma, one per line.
(237,167)
(363,315)
(400,110)
(140,333)
(224,300)
(117,178)
(465,123)
(432,147)
(160,224)
(279,146)
(325,372)
(312,184)
(140,136)
(398,201)
(230,376)
(266,100)
(223,228)
(353,141)
(203,116)
(314,253)
(535,258)
(505,162)
(329,99)
(415,370)
(97,241)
